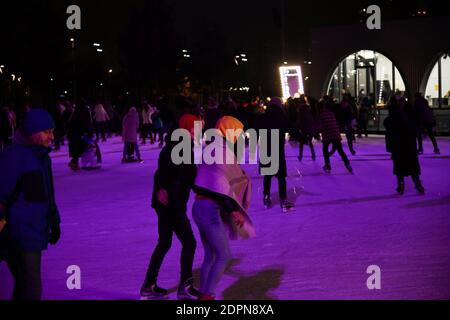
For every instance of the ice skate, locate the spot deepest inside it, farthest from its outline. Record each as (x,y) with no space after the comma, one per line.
(267,202)
(287,206)
(153,292)
(349,168)
(401,188)
(186,291)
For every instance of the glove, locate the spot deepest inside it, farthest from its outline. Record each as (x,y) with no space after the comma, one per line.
(55,234)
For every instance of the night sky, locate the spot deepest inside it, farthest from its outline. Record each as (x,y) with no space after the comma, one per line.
(34,34)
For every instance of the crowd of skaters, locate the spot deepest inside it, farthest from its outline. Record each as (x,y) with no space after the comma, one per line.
(221,209)
(84,125)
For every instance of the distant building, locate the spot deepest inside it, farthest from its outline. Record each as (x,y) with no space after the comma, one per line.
(404,57)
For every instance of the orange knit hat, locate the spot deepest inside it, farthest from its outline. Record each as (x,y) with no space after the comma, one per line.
(229,123)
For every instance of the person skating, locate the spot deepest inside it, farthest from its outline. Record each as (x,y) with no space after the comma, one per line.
(347,112)
(79,126)
(101,121)
(223,193)
(275,119)
(401,143)
(172,186)
(305,123)
(427,122)
(29,217)
(130,127)
(330,134)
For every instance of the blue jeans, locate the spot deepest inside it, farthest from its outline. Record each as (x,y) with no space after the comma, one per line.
(206,214)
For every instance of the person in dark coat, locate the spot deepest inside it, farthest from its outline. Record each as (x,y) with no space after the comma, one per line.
(427,122)
(363,117)
(347,113)
(171,191)
(401,143)
(330,133)
(275,118)
(79,124)
(305,123)
(29,216)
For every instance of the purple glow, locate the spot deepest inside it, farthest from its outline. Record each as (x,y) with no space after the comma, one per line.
(343,224)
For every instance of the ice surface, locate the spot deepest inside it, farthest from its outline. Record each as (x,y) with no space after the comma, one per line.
(342,224)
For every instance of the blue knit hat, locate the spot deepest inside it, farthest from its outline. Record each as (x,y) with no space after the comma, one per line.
(37,120)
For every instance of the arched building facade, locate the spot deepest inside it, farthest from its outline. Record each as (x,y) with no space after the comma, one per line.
(405,56)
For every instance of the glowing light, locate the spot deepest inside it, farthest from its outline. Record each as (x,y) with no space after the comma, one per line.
(72,40)
(96,44)
(13,76)
(291,81)
(110,70)
(99,50)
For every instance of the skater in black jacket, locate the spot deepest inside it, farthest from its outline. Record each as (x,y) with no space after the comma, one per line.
(171,191)
(275,119)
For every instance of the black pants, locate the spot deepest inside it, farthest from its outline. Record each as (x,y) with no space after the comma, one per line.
(430,134)
(101,130)
(348,130)
(146,131)
(308,141)
(168,224)
(25,268)
(337,145)
(362,128)
(282,186)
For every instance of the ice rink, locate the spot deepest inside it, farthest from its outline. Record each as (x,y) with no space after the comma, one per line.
(343,224)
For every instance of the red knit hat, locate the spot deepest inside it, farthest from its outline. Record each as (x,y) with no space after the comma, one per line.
(187,122)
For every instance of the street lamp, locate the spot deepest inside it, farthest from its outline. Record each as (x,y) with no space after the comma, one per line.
(74,88)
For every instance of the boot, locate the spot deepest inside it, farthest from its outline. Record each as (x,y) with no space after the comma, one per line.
(401,186)
(151,291)
(186,291)
(349,168)
(418,184)
(287,206)
(437,151)
(327,168)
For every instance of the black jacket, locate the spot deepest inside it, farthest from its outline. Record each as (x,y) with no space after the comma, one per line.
(177,180)
(401,141)
(275,118)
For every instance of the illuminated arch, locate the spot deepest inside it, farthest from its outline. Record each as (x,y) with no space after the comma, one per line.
(365,73)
